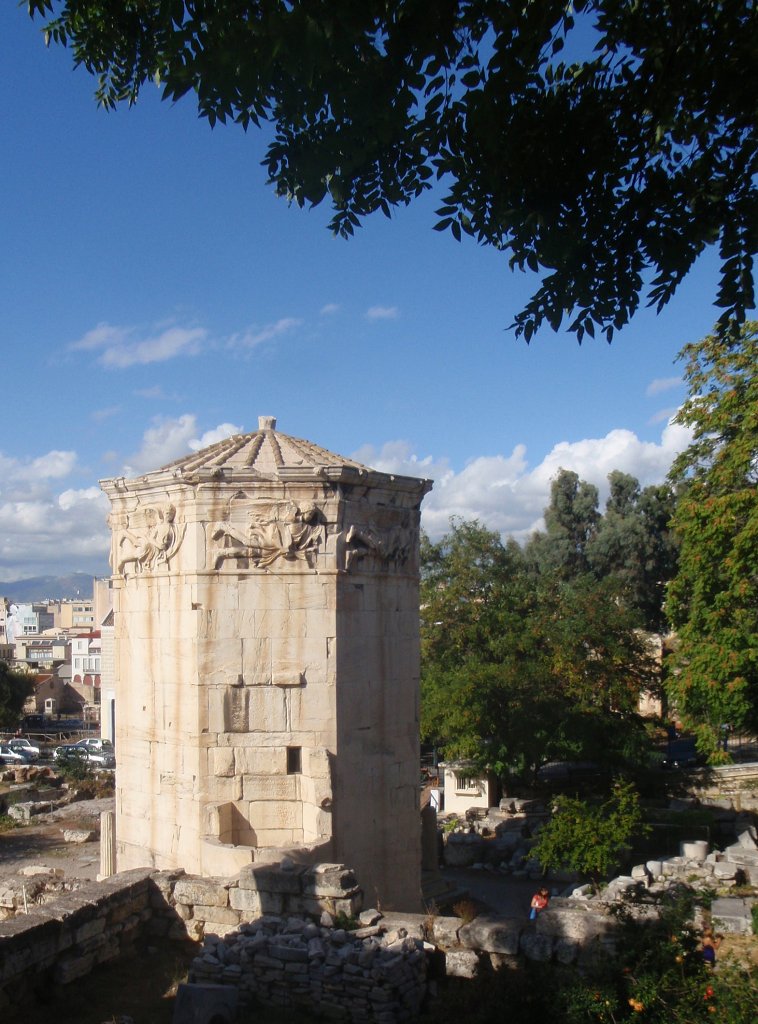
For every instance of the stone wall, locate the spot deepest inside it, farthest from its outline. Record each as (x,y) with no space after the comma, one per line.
(58,942)
(368,974)
(274,934)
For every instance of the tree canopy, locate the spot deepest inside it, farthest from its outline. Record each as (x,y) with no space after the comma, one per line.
(603,144)
(713,600)
(591,838)
(630,543)
(520,668)
(15,687)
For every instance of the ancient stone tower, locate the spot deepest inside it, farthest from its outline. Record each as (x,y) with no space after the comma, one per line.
(267,657)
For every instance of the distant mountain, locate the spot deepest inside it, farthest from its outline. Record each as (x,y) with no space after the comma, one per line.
(44,588)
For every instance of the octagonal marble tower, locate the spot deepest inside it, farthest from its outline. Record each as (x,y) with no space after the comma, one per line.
(267,658)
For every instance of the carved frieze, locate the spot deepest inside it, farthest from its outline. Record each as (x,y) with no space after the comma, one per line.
(150,539)
(372,547)
(262,533)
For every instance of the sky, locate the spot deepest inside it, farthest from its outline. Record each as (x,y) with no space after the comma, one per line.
(157,296)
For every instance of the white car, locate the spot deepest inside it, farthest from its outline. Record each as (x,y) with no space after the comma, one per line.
(12,757)
(25,747)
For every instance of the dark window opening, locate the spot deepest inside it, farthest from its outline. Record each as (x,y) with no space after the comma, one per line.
(294,760)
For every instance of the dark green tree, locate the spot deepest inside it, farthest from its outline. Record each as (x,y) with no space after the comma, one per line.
(634,544)
(571,520)
(600,143)
(521,668)
(713,600)
(15,687)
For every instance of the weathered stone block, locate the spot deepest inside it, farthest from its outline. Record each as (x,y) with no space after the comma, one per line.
(222,761)
(256,660)
(328,880)
(258,761)
(271,787)
(274,815)
(491,934)
(247,901)
(271,878)
(219,915)
(445,931)
(578,923)
(537,947)
(461,963)
(209,892)
(732,914)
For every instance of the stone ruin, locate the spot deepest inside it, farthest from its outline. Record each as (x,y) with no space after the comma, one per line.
(265,595)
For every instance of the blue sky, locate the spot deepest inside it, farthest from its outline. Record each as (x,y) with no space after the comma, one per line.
(156,296)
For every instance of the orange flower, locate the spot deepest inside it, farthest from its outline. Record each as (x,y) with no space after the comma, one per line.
(636,1005)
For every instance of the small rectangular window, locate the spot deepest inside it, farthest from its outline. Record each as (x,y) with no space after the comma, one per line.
(466,783)
(294,760)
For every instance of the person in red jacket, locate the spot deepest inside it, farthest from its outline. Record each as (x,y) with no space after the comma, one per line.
(539,901)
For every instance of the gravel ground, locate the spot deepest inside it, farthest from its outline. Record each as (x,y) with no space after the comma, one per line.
(42,842)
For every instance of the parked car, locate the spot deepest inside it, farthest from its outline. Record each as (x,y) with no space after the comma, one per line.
(98,753)
(101,758)
(12,757)
(25,747)
(67,753)
(95,745)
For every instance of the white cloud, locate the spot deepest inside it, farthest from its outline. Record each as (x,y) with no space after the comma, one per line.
(121,347)
(508,496)
(43,532)
(329,309)
(223,430)
(53,465)
(166,440)
(257,335)
(73,498)
(170,439)
(661,384)
(103,336)
(382,313)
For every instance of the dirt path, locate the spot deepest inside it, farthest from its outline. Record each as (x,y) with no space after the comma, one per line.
(42,842)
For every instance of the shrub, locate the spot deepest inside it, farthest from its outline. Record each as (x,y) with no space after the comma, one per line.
(591,838)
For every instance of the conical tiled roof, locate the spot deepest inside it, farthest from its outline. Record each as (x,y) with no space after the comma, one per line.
(266,453)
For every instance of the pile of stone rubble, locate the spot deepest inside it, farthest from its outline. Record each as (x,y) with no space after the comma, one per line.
(736,865)
(366,974)
(36,885)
